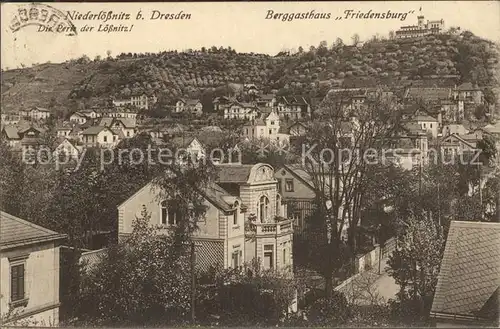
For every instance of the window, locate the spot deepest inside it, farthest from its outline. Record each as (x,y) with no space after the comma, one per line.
(169,214)
(268,256)
(270,131)
(236,213)
(114,138)
(431,125)
(272,123)
(279,184)
(236,258)
(263,208)
(289,185)
(284,255)
(17,282)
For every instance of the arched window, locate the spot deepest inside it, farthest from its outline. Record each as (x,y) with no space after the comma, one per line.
(278,205)
(236,213)
(263,208)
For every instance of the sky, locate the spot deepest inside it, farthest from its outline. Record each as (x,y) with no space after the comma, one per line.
(240,25)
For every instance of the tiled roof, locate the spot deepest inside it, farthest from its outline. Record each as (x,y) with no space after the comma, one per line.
(470,269)
(231,173)
(492,128)
(17,232)
(423,117)
(106,122)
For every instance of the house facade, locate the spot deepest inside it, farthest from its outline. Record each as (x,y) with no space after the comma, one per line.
(292,107)
(267,127)
(78,118)
(35,113)
(99,136)
(140,101)
(10,118)
(67,148)
(428,124)
(29,272)
(468,93)
(241,111)
(421,29)
(193,106)
(244,218)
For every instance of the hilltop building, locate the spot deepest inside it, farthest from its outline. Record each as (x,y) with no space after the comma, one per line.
(421,29)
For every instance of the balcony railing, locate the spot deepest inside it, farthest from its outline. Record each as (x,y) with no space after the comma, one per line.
(277,227)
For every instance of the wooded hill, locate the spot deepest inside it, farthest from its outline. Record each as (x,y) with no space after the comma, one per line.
(171,75)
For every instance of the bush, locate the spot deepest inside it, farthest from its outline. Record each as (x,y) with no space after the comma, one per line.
(319,314)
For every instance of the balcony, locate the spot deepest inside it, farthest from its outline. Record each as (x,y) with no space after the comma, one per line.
(277,227)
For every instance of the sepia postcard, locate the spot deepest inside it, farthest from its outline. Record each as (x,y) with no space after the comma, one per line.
(250,164)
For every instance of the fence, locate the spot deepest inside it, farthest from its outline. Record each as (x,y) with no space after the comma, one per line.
(370,260)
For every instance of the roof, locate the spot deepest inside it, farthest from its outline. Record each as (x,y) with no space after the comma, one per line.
(182,142)
(15,232)
(127,122)
(106,122)
(40,109)
(492,128)
(429,94)
(94,130)
(234,173)
(467,86)
(11,132)
(267,97)
(218,196)
(423,117)
(470,269)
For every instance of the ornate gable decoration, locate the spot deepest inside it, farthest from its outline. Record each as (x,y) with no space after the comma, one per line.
(262,173)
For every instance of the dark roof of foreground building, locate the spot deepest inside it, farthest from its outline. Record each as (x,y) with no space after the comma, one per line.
(233,173)
(16,232)
(470,272)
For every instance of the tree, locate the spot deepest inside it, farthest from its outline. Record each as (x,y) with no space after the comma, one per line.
(108,53)
(339,42)
(415,263)
(392,35)
(355,39)
(141,280)
(337,160)
(249,295)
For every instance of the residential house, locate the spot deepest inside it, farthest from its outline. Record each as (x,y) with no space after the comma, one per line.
(468,93)
(409,146)
(193,106)
(220,103)
(293,107)
(467,290)
(457,145)
(266,127)
(64,129)
(298,128)
(125,128)
(266,100)
(453,110)
(187,146)
(10,134)
(29,272)
(250,89)
(30,138)
(428,124)
(35,113)
(138,100)
(10,118)
(78,118)
(454,128)
(297,189)
(100,136)
(241,111)
(92,113)
(244,218)
(67,148)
